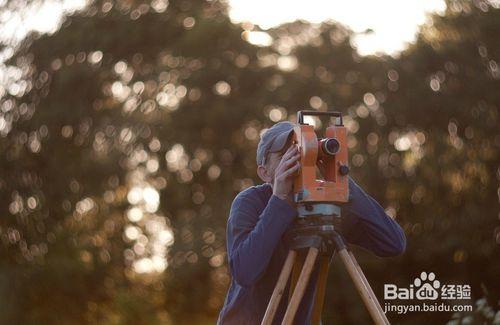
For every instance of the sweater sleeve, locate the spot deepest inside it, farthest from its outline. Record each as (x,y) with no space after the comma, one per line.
(366,224)
(252,238)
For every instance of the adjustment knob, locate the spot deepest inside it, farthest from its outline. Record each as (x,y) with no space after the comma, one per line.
(343,170)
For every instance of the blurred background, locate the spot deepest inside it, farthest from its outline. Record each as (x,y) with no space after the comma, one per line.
(127,127)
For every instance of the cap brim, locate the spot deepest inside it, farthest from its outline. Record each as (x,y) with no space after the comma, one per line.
(280,141)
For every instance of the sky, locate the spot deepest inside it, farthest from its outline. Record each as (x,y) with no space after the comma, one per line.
(394,22)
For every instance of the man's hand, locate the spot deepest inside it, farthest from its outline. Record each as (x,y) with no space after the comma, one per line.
(287,167)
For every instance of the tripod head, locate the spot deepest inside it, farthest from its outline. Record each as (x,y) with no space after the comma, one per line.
(331,152)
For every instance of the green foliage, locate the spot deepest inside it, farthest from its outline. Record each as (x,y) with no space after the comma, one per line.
(139,119)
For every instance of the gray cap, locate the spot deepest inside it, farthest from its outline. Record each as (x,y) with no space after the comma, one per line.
(273,139)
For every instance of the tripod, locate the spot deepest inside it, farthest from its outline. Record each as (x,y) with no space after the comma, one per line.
(315,230)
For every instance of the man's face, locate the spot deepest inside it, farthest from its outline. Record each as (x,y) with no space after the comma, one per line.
(273,159)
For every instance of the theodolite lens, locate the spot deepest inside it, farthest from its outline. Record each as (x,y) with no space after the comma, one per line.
(330,146)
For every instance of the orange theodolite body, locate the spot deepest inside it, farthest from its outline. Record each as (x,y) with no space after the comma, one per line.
(334,187)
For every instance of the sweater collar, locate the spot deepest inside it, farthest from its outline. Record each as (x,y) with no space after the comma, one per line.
(266,189)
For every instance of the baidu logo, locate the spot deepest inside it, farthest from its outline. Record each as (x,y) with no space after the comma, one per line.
(427,287)
(428,294)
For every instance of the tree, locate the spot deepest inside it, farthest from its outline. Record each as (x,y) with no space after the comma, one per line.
(132,128)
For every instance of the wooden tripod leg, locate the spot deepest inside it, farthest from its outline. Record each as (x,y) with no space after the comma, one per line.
(367,284)
(320,290)
(370,302)
(298,293)
(280,287)
(297,268)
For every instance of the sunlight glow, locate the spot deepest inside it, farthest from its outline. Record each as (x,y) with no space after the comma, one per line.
(43,19)
(148,233)
(257,38)
(394,23)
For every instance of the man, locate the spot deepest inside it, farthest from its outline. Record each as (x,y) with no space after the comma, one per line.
(259,217)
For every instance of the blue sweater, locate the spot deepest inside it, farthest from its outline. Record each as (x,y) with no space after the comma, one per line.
(256,250)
